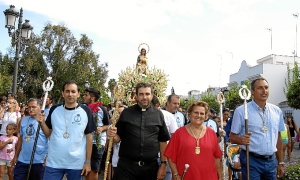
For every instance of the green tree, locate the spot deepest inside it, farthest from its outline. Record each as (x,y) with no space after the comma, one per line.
(32,69)
(292,84)
(68,58)
(186,102)
(105,99)
(211,99)
(57,53)
(232,97)
(6,75)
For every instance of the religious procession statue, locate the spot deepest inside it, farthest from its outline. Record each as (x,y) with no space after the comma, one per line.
(141,72)
(142,60)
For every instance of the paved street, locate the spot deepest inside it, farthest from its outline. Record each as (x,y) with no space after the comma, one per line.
(295,156)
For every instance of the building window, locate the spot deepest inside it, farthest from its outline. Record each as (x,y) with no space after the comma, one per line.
(288,113)
(279,62)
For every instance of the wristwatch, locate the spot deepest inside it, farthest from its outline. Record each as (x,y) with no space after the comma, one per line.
(281,163)
(163,162)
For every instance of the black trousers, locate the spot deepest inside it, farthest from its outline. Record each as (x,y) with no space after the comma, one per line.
(128,170)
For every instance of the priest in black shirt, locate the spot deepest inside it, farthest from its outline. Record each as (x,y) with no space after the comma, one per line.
(144,134)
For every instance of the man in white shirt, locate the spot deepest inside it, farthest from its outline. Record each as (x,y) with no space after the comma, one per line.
(171,126)
(172,106)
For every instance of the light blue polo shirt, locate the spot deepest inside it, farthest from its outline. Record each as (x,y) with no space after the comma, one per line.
(260,142)
(28,129)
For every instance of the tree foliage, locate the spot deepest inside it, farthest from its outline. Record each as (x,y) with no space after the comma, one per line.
(292,84)
(232,97)
(32,69)
(6,75)
(211,99)
(56,53)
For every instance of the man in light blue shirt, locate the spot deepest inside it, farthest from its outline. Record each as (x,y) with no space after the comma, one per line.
(21,161)
(265,121)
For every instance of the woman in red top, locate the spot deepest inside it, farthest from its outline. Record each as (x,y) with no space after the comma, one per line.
(196,145)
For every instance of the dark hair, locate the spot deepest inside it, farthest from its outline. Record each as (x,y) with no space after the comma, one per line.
(254,81)
(172,95)
(155,100)
(225,110)
(3,98)
(11,94)
(214,117)
(38,101)
(70,82)
(93,93)
(48,96)
(144,85)
(198,103)
(144,50)
(212,111)
(292,120)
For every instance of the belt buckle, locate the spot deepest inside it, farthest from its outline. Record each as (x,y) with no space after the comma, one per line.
(141,163)
(267,157)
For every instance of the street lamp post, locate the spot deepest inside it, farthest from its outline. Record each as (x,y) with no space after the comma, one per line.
(20,36)
(296,15)
(270,30)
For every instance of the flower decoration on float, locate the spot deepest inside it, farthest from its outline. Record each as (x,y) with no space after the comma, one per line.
(131,76)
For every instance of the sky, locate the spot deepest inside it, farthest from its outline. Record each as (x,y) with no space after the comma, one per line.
(198,43)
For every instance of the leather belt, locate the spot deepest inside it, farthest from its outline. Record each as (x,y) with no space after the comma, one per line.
(258,156)
(139,163)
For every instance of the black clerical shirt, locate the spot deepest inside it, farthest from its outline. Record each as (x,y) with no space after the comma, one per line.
(140,131)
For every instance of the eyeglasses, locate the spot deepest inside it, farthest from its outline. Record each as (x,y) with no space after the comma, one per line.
(11,102)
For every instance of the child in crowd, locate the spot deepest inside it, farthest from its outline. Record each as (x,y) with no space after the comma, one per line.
(237,165)
(233,155)
(7,150)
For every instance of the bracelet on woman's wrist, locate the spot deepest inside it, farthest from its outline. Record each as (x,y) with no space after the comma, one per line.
(163,162)
(175,175)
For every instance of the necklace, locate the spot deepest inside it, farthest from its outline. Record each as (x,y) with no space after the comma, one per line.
(263,118)
(197,149)
(66,135)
